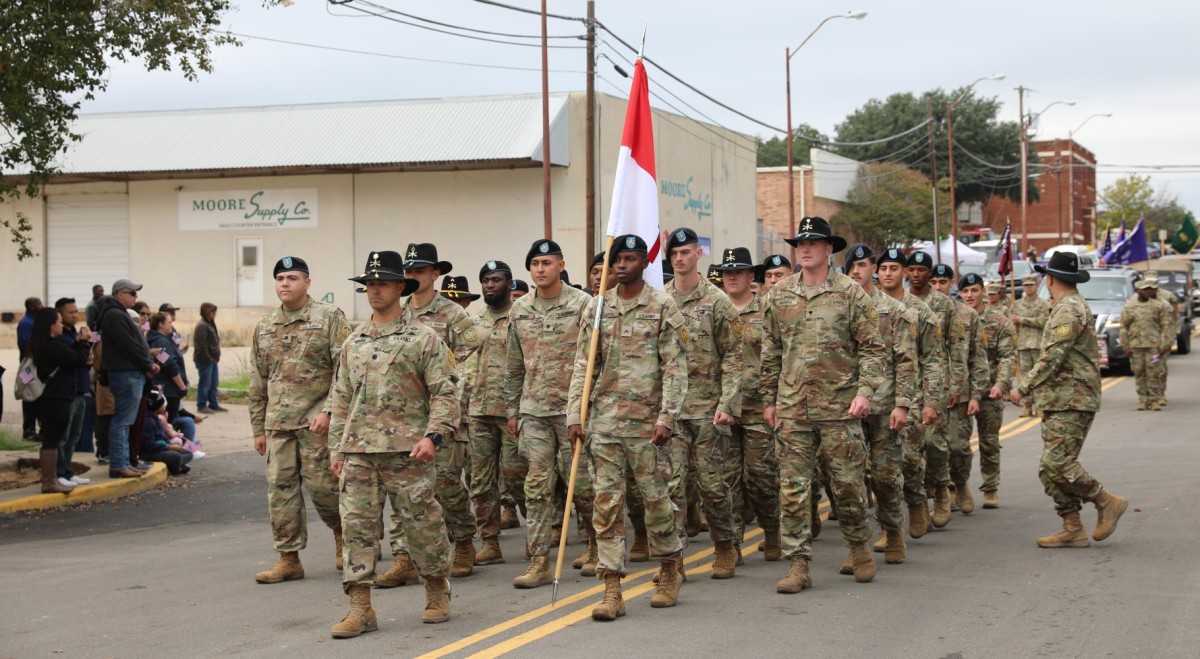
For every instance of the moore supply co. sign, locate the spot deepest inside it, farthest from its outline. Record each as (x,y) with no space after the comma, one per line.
(248,209)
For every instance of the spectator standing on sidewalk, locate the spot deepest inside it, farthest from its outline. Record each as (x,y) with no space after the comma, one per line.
(171,377)
(125,368)
(56,365)
(24,331)
(68,311)
(207,357)
(93,308)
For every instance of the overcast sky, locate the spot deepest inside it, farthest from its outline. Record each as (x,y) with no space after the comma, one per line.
(1134,60)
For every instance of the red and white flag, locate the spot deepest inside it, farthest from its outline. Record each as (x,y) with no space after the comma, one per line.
(635,192)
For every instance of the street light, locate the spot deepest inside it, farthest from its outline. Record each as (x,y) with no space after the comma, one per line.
(950,140)
(1071,170)
(1026,121)
(856,15)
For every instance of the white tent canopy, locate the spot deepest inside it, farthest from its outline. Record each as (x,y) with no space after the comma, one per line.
(965,253)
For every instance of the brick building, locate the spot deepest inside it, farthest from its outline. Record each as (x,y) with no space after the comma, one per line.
(820,190)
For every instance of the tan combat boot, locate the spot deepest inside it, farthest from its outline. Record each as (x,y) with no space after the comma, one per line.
(941,507)
(287,568)
(1072,535)
(337,549)
(895,550)
(772,545)
(864,563)
(360,618)
(1142,406)
(797,578)
(881,543)
(401,573)
(1157,405)
(847,566)
(669,583)
(591,558)
(538,574)
(490,554)
(918,525)
(464,558)
(613,605)
(737,548)
(991,500)
(966,502)
(437,601)
(724,560)
(1109,508)
(639,551)
(555,536)
(508,518)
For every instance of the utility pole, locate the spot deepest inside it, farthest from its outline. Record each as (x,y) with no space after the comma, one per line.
(953,210)
(590,143)
(547,224)
(1024,167)
(937,239)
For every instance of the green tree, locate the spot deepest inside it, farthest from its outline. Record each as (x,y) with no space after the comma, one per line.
(1127,199)
(890,204)
(773,152)
(55,54)
(1165,214)
(987,156)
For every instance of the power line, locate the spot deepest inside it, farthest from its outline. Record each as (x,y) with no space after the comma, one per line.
(476,30)
(531,11)
(393,19)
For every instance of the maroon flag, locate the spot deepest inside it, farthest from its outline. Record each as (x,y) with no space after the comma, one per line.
(1004,251)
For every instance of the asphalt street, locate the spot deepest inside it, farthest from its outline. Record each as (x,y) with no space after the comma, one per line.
(170,573)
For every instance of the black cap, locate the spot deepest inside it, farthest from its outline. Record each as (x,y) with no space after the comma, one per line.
(542,248)
(457,288)
(165,307)
(1064,266)
(892,255)
(776,261)
(626,243)
(290,264)
(668,271)
(715,275)
(680,237)
(494,266)
(419,255)
(518,285)
(598,259)
(969,279)
(942,270)
(858,252)
(817,228)
(920,259)
(736,258)
(386,266)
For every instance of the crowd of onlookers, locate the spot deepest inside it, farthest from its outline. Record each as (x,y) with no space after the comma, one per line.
(114,385)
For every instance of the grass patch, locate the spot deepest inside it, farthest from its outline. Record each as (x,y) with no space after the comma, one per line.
(241,377)
(11,442)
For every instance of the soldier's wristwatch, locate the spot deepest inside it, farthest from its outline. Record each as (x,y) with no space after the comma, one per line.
(436,438)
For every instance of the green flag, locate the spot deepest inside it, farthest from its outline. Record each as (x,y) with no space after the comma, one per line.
(1187,236)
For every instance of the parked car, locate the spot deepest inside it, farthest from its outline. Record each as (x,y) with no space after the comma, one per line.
(1106,294)
(1088,258)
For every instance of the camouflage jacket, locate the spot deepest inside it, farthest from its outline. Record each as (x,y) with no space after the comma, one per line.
(543,338)
(968,360)
(898,332)
(451,324)
(485,370)
(1031,312)
(640,376)
(1168,297)
(821,348)
(1004,306)
(1148,324)
(393,387)
(1066,375)
(291,365)
(1000,344)
(713,349)
(931,354)
(751,318)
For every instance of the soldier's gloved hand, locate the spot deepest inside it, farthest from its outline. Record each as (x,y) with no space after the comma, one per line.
(722,419)
(898,419)
(972,407)
(996,393)
(860,407)
(928,416)
(512,427)
(260,444)
(662,435)
(319,424)
(575,433)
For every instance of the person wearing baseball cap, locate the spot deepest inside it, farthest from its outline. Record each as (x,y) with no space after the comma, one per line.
(1065,386)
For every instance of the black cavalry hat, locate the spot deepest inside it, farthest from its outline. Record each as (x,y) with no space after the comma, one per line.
(543,247)
(680,237)
(716,275)
(737,258)
(386,266)
(457,288)
(817,228)
(419,255)
(1064,266)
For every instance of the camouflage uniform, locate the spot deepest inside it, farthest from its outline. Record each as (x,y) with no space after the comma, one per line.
(394,385)
(898,328)
(714,358)
(542,336)
(937,443)
(457,331)
(1172,329)
(821,348)
(999,343)
(1031,312)
(931,359)
(1065,385)
(640,381)
(753,468)
(492,473)
(292,359)
(969,381)
(1143,325)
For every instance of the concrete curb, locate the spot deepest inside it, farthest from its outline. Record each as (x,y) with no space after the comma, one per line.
(97,491)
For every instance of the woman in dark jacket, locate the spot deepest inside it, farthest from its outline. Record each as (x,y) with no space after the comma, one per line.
(172,374)
(56,365)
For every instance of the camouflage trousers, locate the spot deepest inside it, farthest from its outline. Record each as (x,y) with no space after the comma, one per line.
(1065,480)
(366,479)
(937,451)
(493,471)
(958,439)
(912,442)
(1027,358)
(451,495)
(885,469)
(707,445)
(752,474)
(842,446)
(611,458)
(295,458)
(988,422)
(1151,379)
(545,445)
